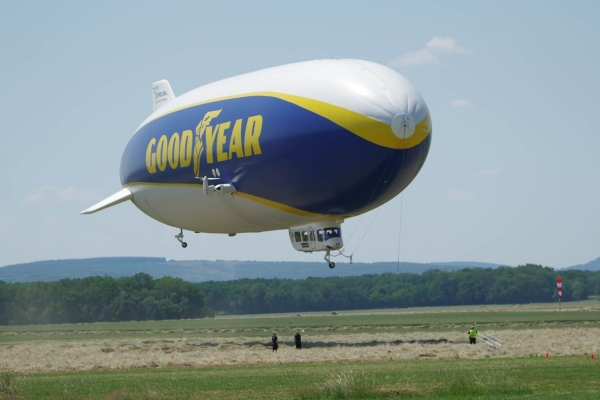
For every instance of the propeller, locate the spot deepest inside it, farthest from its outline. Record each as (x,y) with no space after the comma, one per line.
(205,180)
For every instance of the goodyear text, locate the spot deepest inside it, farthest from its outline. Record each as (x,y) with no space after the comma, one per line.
(210,141)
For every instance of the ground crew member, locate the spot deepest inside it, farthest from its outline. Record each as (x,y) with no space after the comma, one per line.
(275,342)
(298,340)
(472,335)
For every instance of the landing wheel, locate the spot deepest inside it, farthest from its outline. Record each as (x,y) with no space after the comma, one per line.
(179,238)
(332,265)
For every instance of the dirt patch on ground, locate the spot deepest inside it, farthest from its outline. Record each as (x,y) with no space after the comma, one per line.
(82,355)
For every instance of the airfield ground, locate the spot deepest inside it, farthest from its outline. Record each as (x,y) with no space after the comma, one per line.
(421,353)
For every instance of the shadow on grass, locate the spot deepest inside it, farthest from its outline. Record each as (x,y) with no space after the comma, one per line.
(323,344)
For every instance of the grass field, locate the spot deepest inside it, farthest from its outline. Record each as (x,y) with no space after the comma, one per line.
(444,318)
(420,353)
(528,378)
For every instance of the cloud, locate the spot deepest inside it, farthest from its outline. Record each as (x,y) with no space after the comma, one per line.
(460,103)
(52,193)
(447,44)
(483,173)
(460,195)
(430,53)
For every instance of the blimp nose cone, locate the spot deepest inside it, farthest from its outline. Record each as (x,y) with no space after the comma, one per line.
(403,125)
(389,98)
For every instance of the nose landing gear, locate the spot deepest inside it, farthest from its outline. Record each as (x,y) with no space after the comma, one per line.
(329,262)
(179,237)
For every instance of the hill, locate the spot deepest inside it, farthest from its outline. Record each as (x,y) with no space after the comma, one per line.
(593,265)
(205,270)
(463,264)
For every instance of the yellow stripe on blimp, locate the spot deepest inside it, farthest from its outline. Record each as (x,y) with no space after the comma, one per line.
(366,127)
(370,129)
(283,207)
(263,201)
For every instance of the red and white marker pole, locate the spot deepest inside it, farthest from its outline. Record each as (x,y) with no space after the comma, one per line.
(559,288)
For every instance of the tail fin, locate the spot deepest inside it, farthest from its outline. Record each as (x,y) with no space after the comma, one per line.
(119,197)
(161,94)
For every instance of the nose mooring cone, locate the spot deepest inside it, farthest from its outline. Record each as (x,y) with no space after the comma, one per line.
(403,125)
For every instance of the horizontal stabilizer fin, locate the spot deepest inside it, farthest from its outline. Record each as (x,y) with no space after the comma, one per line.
(161,94)
(119,197)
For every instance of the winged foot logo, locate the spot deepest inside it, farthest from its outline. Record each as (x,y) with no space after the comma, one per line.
(209,141)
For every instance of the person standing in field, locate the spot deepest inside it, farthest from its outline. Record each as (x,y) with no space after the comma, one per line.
(298,340)
(472,335)
(275,342)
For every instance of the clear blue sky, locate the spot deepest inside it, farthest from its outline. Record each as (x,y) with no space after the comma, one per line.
(512,176)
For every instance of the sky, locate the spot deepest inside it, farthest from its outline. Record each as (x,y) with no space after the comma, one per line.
(512,176)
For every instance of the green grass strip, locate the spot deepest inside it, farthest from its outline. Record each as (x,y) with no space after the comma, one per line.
(528,378)
(396,319)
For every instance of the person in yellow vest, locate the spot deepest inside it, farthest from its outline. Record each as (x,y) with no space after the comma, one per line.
(472,335)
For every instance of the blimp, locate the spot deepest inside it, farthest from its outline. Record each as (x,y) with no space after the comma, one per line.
(300,147)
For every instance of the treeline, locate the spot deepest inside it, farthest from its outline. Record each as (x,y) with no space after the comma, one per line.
(504,285)
(98,299)
(140,297)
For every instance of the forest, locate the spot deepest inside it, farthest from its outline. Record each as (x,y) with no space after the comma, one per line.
(505,285)
(140,297)
(98,299)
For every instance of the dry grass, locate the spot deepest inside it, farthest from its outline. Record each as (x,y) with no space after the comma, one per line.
(124,353)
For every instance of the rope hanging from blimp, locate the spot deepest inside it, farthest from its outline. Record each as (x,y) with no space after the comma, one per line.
(400,231)
(401,207)
(369,202)
(403,163)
